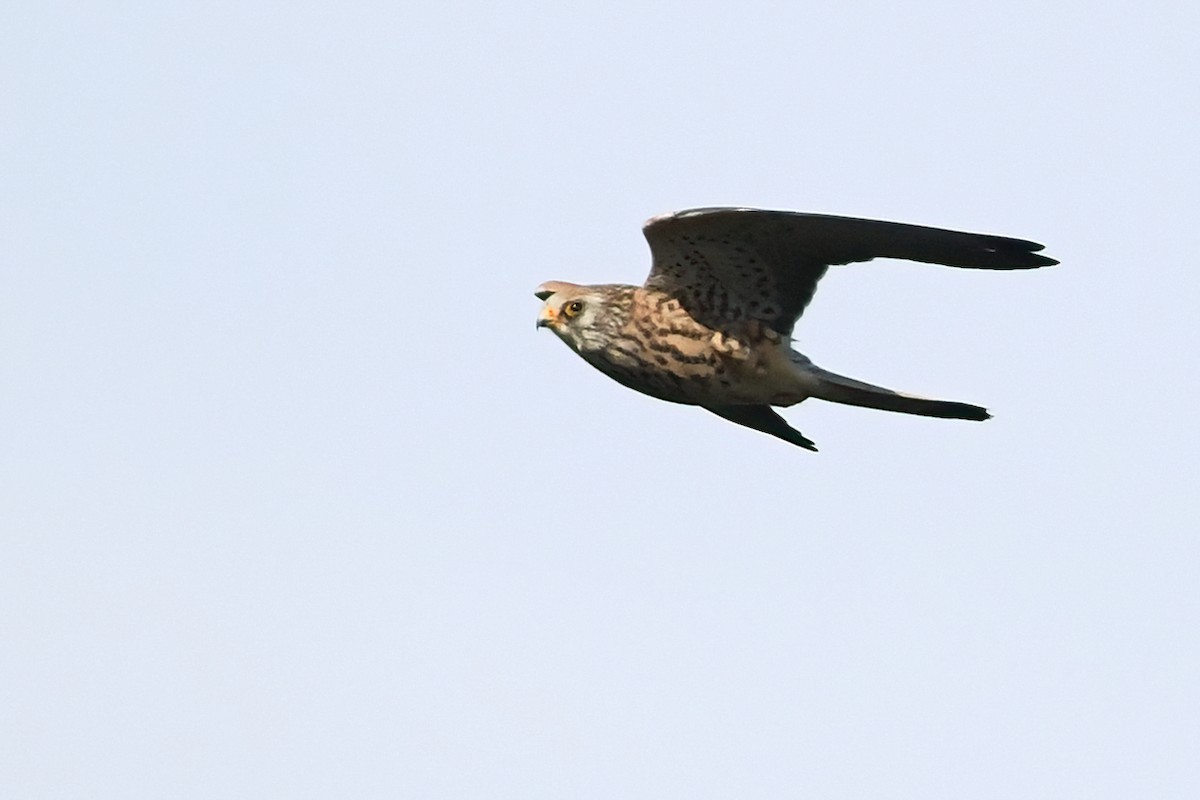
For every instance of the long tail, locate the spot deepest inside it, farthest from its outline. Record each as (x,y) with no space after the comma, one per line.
(840,389)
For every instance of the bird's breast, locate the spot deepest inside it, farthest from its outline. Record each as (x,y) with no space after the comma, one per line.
(715,370)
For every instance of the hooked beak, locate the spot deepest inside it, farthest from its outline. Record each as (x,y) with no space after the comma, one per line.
(547,318)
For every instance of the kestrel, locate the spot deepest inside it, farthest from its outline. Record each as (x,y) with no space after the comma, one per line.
(712,325)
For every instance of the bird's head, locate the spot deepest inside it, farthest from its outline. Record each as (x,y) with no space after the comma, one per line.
(585,317)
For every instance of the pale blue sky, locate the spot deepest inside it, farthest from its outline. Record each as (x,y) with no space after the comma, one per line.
(297,504)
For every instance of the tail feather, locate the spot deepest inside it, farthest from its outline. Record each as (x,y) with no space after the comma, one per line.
(840,389)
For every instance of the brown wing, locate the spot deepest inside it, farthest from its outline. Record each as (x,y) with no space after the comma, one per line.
(733,264)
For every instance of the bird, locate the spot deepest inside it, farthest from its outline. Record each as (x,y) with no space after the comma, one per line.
(712,324)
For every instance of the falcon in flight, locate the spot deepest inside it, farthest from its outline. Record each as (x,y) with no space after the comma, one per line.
(712,325)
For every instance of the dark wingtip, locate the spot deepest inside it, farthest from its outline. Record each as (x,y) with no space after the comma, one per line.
(1019,254)
(800,440)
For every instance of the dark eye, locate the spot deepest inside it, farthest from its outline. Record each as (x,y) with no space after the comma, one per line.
(573,308)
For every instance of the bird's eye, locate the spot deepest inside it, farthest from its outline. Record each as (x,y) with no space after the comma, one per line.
(573,308)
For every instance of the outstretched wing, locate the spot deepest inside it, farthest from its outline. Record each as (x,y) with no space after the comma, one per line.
(764,418)
(735,264)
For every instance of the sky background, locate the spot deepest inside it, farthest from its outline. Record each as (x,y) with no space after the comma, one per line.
(295,502)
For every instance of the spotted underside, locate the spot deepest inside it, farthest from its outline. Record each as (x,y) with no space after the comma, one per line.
(660,349)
